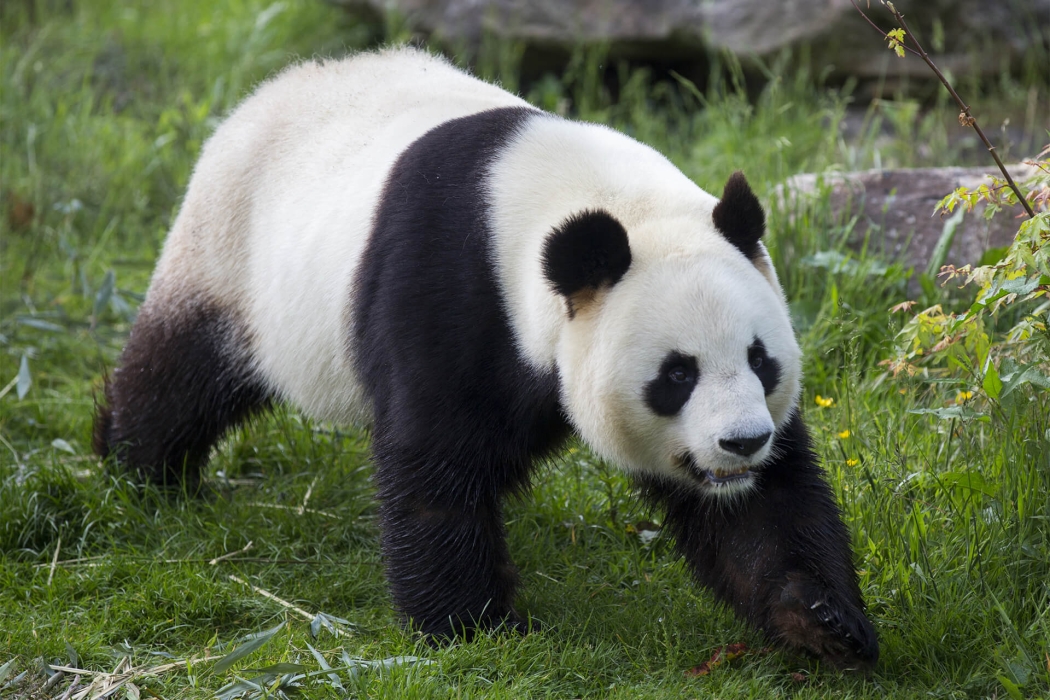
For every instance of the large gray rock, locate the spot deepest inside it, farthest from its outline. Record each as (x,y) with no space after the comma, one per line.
(682,29)
(974,36)
(632,26)
(897,208)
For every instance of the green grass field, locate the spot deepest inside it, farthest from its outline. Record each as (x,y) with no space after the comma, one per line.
(103,110)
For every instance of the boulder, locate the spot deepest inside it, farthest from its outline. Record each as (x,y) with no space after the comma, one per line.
(897,208)
(963,33)
(965,37)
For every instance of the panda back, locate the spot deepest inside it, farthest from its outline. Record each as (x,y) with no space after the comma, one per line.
(281,205)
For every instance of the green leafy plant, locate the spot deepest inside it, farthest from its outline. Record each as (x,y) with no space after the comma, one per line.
(1001,341)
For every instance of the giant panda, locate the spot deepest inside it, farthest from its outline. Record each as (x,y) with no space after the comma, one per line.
(385,240)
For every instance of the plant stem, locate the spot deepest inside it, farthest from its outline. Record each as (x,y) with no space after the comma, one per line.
(879,29)
(965,118)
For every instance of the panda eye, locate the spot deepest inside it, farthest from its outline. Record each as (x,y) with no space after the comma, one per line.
(678,375)
(766,368)
(673,384)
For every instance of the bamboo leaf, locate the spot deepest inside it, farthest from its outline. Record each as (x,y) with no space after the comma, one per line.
(6,669)
(60,444)
(324,665)
(25,379)
(104,294)
(255,642)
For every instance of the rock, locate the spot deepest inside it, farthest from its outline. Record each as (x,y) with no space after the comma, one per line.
(668,30)
(965,37)
(642,28)
(899,206)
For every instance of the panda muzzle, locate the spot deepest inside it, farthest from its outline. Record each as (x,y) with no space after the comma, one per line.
(718,477)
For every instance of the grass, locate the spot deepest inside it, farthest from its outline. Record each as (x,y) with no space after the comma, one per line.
(102,113)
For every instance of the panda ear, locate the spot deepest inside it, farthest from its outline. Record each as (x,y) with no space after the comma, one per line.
(739,216)
(589,250)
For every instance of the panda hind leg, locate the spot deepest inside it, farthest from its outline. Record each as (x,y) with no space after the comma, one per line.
(184,379)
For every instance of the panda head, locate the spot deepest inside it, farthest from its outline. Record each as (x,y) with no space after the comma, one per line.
(677,360)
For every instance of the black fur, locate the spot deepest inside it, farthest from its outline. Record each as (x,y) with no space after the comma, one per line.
(766,368)
(780,556)
(739,216)
(458,417)
(183,381)
(586,252)
(673,385)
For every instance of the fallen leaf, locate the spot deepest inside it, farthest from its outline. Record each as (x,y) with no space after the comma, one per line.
(20,213)
(697,671)
(719,656)
(735,651)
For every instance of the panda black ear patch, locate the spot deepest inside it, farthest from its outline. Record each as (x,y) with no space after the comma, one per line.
(739,216)
(587,251)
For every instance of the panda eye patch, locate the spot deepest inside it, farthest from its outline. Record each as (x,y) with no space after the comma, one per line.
(674,382)
(765,367)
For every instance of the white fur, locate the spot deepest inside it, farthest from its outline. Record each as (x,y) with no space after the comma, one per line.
(280,208)
(687,289)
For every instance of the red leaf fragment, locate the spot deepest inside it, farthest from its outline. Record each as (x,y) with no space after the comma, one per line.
(20,212)
(719,656)
(697,671)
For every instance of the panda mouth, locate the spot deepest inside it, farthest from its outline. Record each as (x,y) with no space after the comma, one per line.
(711,477)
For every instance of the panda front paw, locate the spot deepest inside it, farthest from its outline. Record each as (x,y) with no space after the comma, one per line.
(814,619)
(457,629)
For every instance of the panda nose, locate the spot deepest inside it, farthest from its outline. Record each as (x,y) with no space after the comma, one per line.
(744,445)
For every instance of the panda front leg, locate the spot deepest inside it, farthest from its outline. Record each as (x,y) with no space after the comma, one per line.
(444,543)
(779,555)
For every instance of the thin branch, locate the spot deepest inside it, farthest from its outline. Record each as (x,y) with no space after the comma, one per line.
(306,498)
(105,559)
(104,683)
(297,509)
(879,30)
(970,120)
(230,555)
(266,594)
(72,686)
(54,562)
(965,118)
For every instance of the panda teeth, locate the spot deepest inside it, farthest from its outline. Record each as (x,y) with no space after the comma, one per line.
(726,478)
(709,476)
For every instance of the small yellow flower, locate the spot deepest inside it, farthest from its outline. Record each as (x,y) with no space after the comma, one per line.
(852,462)
(963,397)
(902,392)
(844,434)
(824,403)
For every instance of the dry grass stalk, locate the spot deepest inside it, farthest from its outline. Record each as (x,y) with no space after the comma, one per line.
(266,594)
(306,498)
(104,684)
(298,509)
(54,561)
(228,555)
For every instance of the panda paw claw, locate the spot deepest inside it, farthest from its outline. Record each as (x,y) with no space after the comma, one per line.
(812,618)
